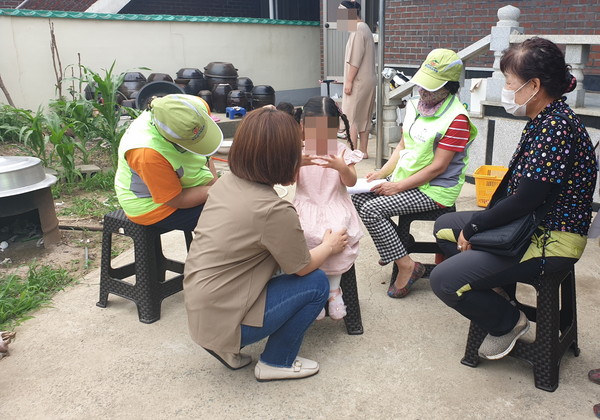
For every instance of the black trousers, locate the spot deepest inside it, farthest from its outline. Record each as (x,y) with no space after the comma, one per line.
(464,281)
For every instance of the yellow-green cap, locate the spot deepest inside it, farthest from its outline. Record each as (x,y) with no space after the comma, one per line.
(440,66)
(184,120)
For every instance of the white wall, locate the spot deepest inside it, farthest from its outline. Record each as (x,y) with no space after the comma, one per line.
(283,56)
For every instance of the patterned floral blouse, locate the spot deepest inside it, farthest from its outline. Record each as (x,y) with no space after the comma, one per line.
(548,140)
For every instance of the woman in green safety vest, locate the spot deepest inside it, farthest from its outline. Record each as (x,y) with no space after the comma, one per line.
(427,169)
(163,172)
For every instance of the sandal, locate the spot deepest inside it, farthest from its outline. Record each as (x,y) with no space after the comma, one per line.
(418,271)
(337,309)
(594,376)
(6,337)
(597,410)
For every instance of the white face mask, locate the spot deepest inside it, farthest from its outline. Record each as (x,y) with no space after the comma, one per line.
(509,104)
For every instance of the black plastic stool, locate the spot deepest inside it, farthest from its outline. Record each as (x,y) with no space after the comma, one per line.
(403,230)
(149,267)
(556,329)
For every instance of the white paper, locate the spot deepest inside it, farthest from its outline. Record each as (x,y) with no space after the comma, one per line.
(363,186)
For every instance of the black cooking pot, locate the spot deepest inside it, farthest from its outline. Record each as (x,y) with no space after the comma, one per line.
(237,98)
(220,69)
(159,77)
(189,73)
(207,96)
(263,90)
(262,95)
(134,76)
(245,84)
(155,89)
(128,88)
(249,100)
(194,86)
(213,81)
(219,97)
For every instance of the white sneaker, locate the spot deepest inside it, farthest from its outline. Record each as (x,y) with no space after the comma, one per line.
(494,347)
(301,368)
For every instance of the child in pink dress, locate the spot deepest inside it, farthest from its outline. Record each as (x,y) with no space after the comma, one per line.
(322,200)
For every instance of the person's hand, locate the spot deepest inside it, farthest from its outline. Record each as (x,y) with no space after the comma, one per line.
(462,244)
(334,162)
(307,160)
(372,176)
(348,88)
(336,240)
(387,188)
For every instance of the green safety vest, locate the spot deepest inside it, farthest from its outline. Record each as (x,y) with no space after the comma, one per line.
(133,194)
(421,137)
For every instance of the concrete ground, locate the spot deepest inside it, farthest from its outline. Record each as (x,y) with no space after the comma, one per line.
(76,360)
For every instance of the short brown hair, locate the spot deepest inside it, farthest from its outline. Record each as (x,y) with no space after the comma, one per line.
(267,147)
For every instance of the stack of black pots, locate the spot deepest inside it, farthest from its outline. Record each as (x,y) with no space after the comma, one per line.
(222,79)
(191,80)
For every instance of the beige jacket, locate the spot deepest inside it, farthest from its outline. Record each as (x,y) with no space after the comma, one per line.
(244,235)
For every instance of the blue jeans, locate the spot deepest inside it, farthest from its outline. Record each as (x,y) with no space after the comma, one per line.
(293,303)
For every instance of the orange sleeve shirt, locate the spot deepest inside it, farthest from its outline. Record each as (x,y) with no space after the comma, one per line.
(160,178)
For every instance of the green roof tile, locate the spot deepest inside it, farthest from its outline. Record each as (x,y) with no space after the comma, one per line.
(158,18)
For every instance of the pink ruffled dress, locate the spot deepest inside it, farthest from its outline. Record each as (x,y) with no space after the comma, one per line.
(322,202)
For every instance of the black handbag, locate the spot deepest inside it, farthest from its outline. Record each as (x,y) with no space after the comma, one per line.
(510,240)
(513,238)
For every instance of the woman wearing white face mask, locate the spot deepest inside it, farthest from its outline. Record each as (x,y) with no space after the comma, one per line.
(427,169)
(554,151)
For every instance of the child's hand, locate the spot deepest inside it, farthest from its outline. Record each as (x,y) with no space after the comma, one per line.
(334,162)
(307,160)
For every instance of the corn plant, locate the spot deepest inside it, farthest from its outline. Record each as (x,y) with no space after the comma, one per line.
(33,136)
(63,146)
(79,116)
(105,88)
(11,122)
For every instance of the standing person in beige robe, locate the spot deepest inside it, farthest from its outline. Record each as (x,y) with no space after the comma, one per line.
(359,78)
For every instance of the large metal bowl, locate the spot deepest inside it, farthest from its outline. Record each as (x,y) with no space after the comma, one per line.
(22,174)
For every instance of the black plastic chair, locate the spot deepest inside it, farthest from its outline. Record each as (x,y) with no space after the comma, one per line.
(555,316)
(149,267)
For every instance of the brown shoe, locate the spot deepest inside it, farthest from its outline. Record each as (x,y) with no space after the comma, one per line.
(233,361)
(594,376)
(418,272)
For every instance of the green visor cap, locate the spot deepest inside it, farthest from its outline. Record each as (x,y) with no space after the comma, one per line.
(440,66)
(184,120)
